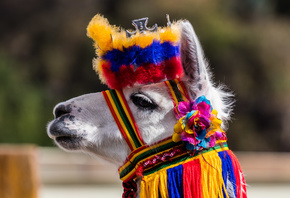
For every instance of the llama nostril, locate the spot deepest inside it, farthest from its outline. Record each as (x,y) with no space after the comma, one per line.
(61,110)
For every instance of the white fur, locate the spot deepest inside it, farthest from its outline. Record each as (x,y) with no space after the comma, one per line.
(220,99)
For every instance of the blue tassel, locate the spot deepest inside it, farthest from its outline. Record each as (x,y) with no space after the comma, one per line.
(227,170)
(175,182)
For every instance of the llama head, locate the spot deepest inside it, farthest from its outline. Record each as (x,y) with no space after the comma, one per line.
(85,123)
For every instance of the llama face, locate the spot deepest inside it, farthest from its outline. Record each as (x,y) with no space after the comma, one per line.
(85,123)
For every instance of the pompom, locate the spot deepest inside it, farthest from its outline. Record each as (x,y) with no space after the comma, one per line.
(170,33)
(173,68)
(100,31)
(143,58)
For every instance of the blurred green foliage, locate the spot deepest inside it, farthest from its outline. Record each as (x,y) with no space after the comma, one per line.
(45,58)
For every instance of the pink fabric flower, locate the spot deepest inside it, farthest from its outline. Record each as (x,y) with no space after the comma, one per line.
(198,126)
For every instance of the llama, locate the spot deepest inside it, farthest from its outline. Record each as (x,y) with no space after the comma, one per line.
(163,121)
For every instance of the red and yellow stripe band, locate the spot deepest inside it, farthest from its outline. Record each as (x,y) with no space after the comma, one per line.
(123,117)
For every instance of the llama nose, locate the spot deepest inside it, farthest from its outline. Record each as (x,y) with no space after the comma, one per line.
(61,109)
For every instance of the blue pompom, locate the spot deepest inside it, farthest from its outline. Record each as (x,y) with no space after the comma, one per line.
(135,55)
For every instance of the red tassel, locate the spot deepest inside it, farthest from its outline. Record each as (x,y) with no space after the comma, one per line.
(240,180)
(192,179)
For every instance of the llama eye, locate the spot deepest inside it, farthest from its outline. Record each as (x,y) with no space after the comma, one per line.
(143,102)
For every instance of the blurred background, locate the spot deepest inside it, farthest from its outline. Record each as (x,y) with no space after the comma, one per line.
(46,57)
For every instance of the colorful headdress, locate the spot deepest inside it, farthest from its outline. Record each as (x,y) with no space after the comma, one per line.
(142,58)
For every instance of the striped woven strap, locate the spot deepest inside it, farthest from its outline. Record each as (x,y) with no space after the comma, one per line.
(149,159)
(177,91)
(123,117)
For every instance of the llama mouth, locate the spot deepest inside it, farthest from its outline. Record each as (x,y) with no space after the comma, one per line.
(64,137)
(58,128)
(68,142)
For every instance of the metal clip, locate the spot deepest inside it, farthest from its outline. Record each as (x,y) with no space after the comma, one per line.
(141,25)
(168,20)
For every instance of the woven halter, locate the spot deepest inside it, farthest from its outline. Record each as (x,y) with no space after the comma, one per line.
(145,159)
(140,152)
(163,164)
(123,117)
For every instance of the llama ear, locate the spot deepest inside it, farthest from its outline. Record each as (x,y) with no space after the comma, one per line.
(192,58)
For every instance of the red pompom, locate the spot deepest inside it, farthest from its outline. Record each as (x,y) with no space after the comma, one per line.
(173,68)
(144,74)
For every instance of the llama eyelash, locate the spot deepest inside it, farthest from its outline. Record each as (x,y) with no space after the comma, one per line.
(143,102)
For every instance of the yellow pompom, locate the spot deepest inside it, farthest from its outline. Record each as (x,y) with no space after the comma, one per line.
(97,66)
(108,37)
(171,34)
(100,31)
(119,38)
(144,40)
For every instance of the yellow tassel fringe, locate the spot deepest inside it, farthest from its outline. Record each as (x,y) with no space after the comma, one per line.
(212,183)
